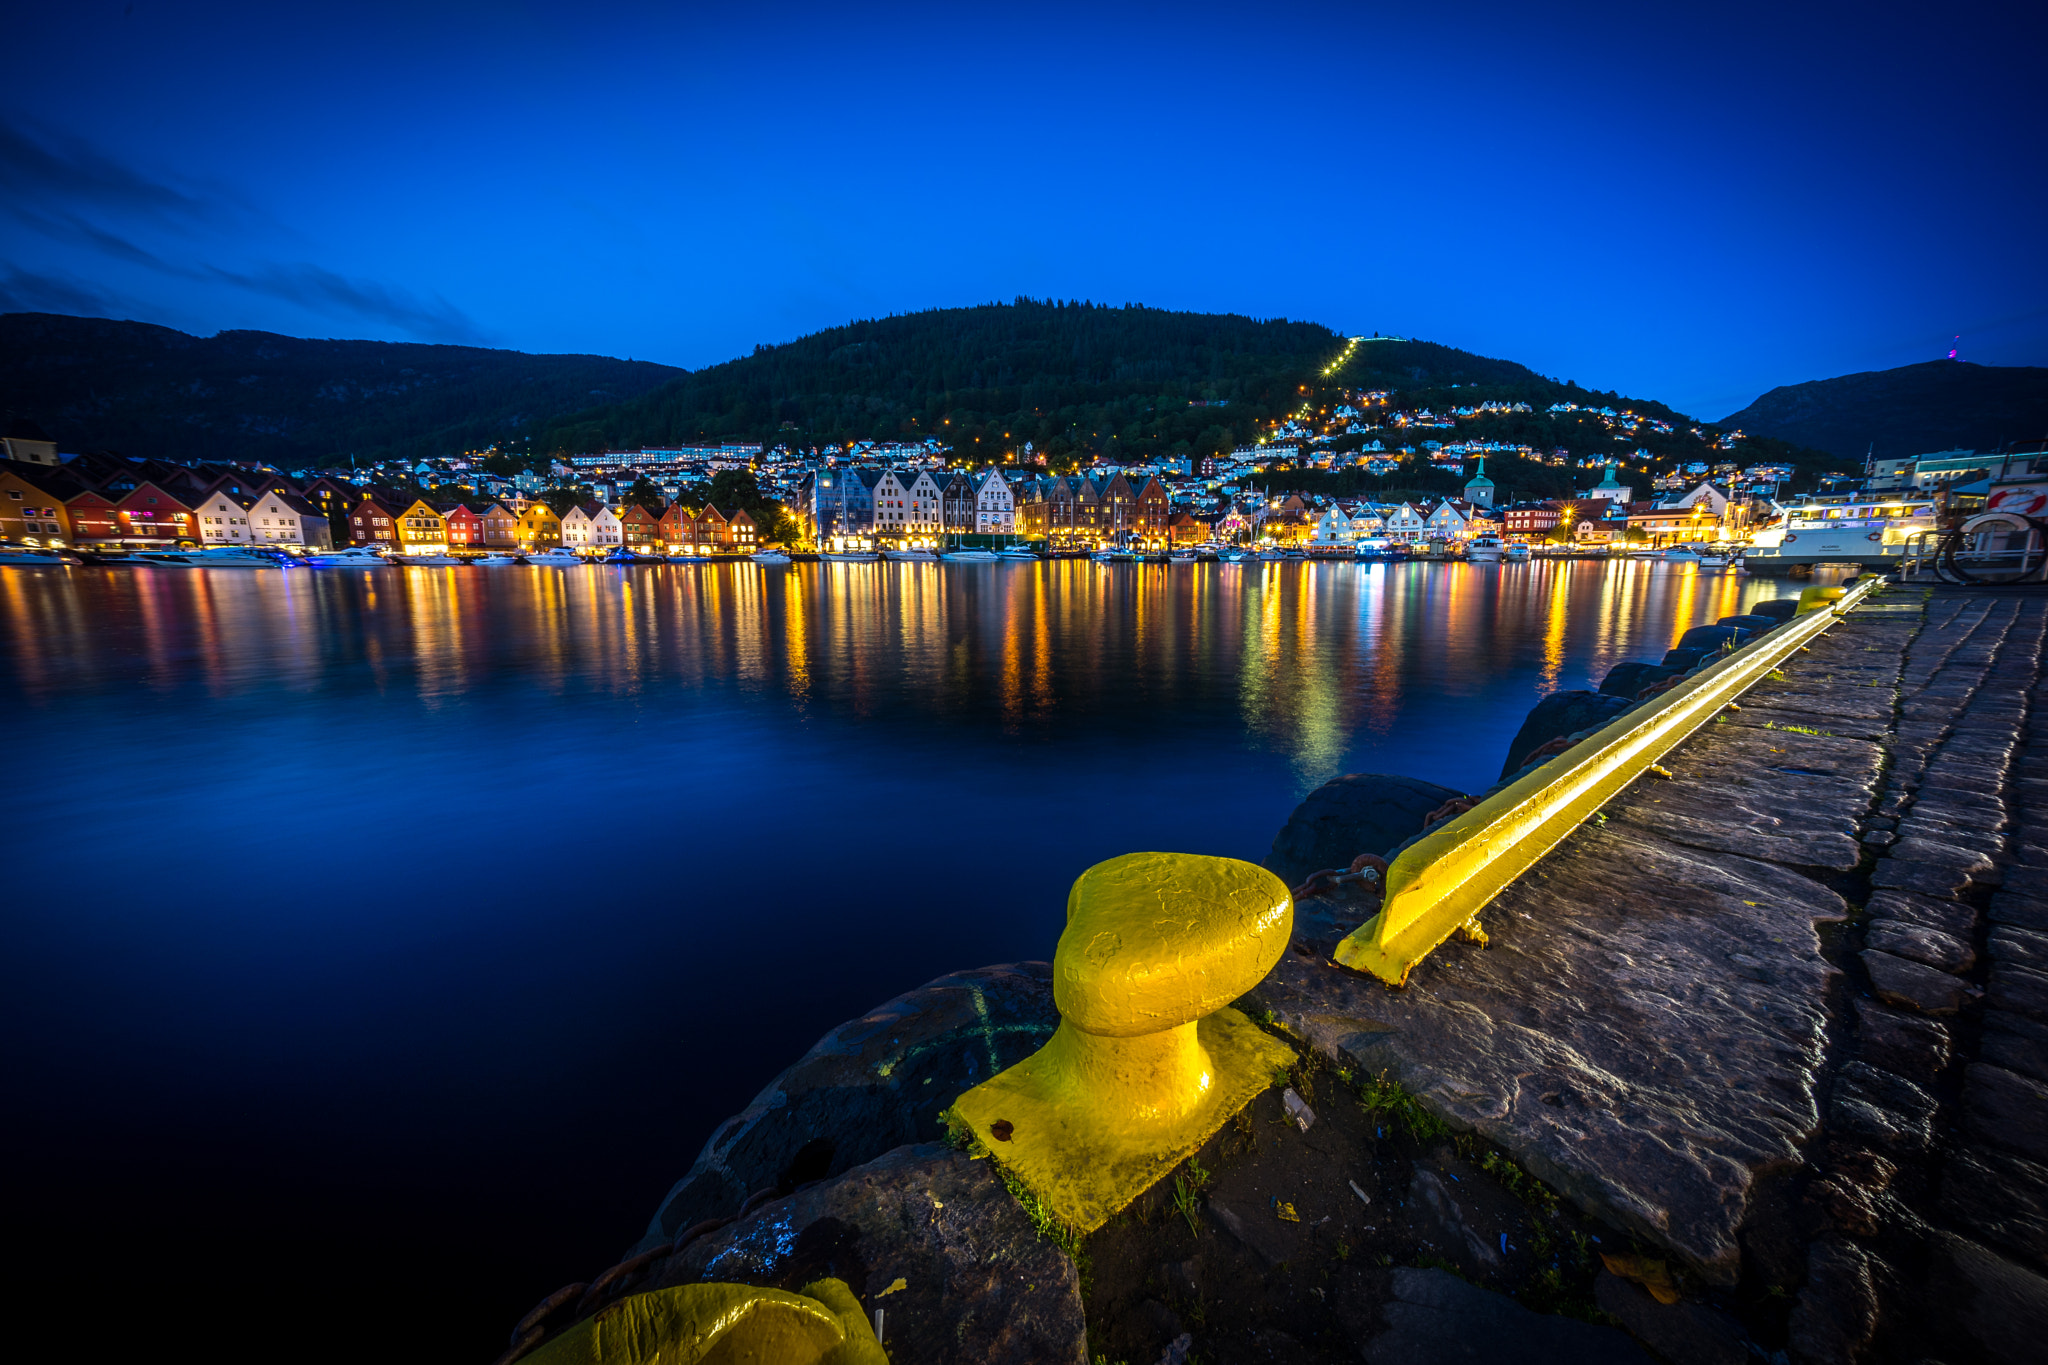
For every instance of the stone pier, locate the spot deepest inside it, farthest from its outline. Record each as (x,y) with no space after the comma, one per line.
(1781,1016)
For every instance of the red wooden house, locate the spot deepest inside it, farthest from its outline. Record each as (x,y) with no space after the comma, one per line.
(372,523)
(465,526)
(641,528)
(678,528)
(152,516)
(714,529)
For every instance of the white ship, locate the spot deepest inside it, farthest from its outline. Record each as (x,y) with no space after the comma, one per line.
(1874,530)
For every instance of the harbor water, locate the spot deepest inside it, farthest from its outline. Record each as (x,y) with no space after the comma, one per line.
(384,942)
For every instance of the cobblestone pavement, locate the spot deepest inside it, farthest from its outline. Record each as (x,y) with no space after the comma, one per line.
(1933,1192)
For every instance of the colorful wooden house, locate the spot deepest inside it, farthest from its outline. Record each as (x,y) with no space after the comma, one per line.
(641,528)
(679,529)
(33,505)
(465,526)
(539,527)
(152,516)
(422,530)
(373,523)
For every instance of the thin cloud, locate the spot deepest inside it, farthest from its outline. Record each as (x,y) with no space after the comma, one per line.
(50,187)
(323,291)
(25,291)
(73,172)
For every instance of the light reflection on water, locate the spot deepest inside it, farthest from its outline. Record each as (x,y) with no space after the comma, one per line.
(453,906)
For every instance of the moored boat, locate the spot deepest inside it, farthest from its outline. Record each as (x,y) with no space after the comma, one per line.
(1483,549)
(910,556)
(496,559)
(1022,554)
(354,556)
(769,557)
(969,556)
(851,557)
(560,556)
(17,557)
(1515,552)
(432,561)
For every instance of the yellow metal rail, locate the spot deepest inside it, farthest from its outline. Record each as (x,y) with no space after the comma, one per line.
(1440,883)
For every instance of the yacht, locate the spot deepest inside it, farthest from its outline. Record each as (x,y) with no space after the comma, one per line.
(1232,556)
(911,556)
(355,556)
(1113,557)
(769,557)
(560,555)
(1280,552)
(496,559)
(969,556)
(1182,556)
(1483,549)
(1515,552)
(622,555)
(438,559)
(851,556)
(1022,554)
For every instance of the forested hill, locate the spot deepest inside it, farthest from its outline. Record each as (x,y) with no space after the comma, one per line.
(1912,410)
(1068,376)
(94,384)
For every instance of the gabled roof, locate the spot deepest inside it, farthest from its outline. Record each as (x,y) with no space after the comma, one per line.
(49,479)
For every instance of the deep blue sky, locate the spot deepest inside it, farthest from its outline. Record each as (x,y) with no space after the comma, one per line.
(1692,207)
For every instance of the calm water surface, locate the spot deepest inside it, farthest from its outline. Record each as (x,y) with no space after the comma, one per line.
(385,943)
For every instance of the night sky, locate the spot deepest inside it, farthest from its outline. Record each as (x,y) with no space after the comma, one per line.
(1687,207)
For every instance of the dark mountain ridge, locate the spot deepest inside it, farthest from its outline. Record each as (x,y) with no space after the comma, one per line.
(1912,410)
(97,383)
(1064,375)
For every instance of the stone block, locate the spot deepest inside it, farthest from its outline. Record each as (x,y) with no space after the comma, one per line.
(2002,1307)
(1904,1044)
(862,1090)
(2015,1042)
(2007,1109)
(2015,988)
(1880,1108)
(1950,917)
(2024,947)
(1837,1309)
(1914,985)
(1928,879)
(2001,1198)
(1559,714)
(2017,908)
(1349,815)
(1921,944)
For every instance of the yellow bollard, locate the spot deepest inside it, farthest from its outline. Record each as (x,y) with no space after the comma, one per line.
(1813,599)
(1148,1061)
(722,1324)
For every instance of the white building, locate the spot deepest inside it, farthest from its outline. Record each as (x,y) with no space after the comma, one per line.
(224,518)
(1333,528)
(605,528)
(995,507)
(576,525)
(1406,524)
